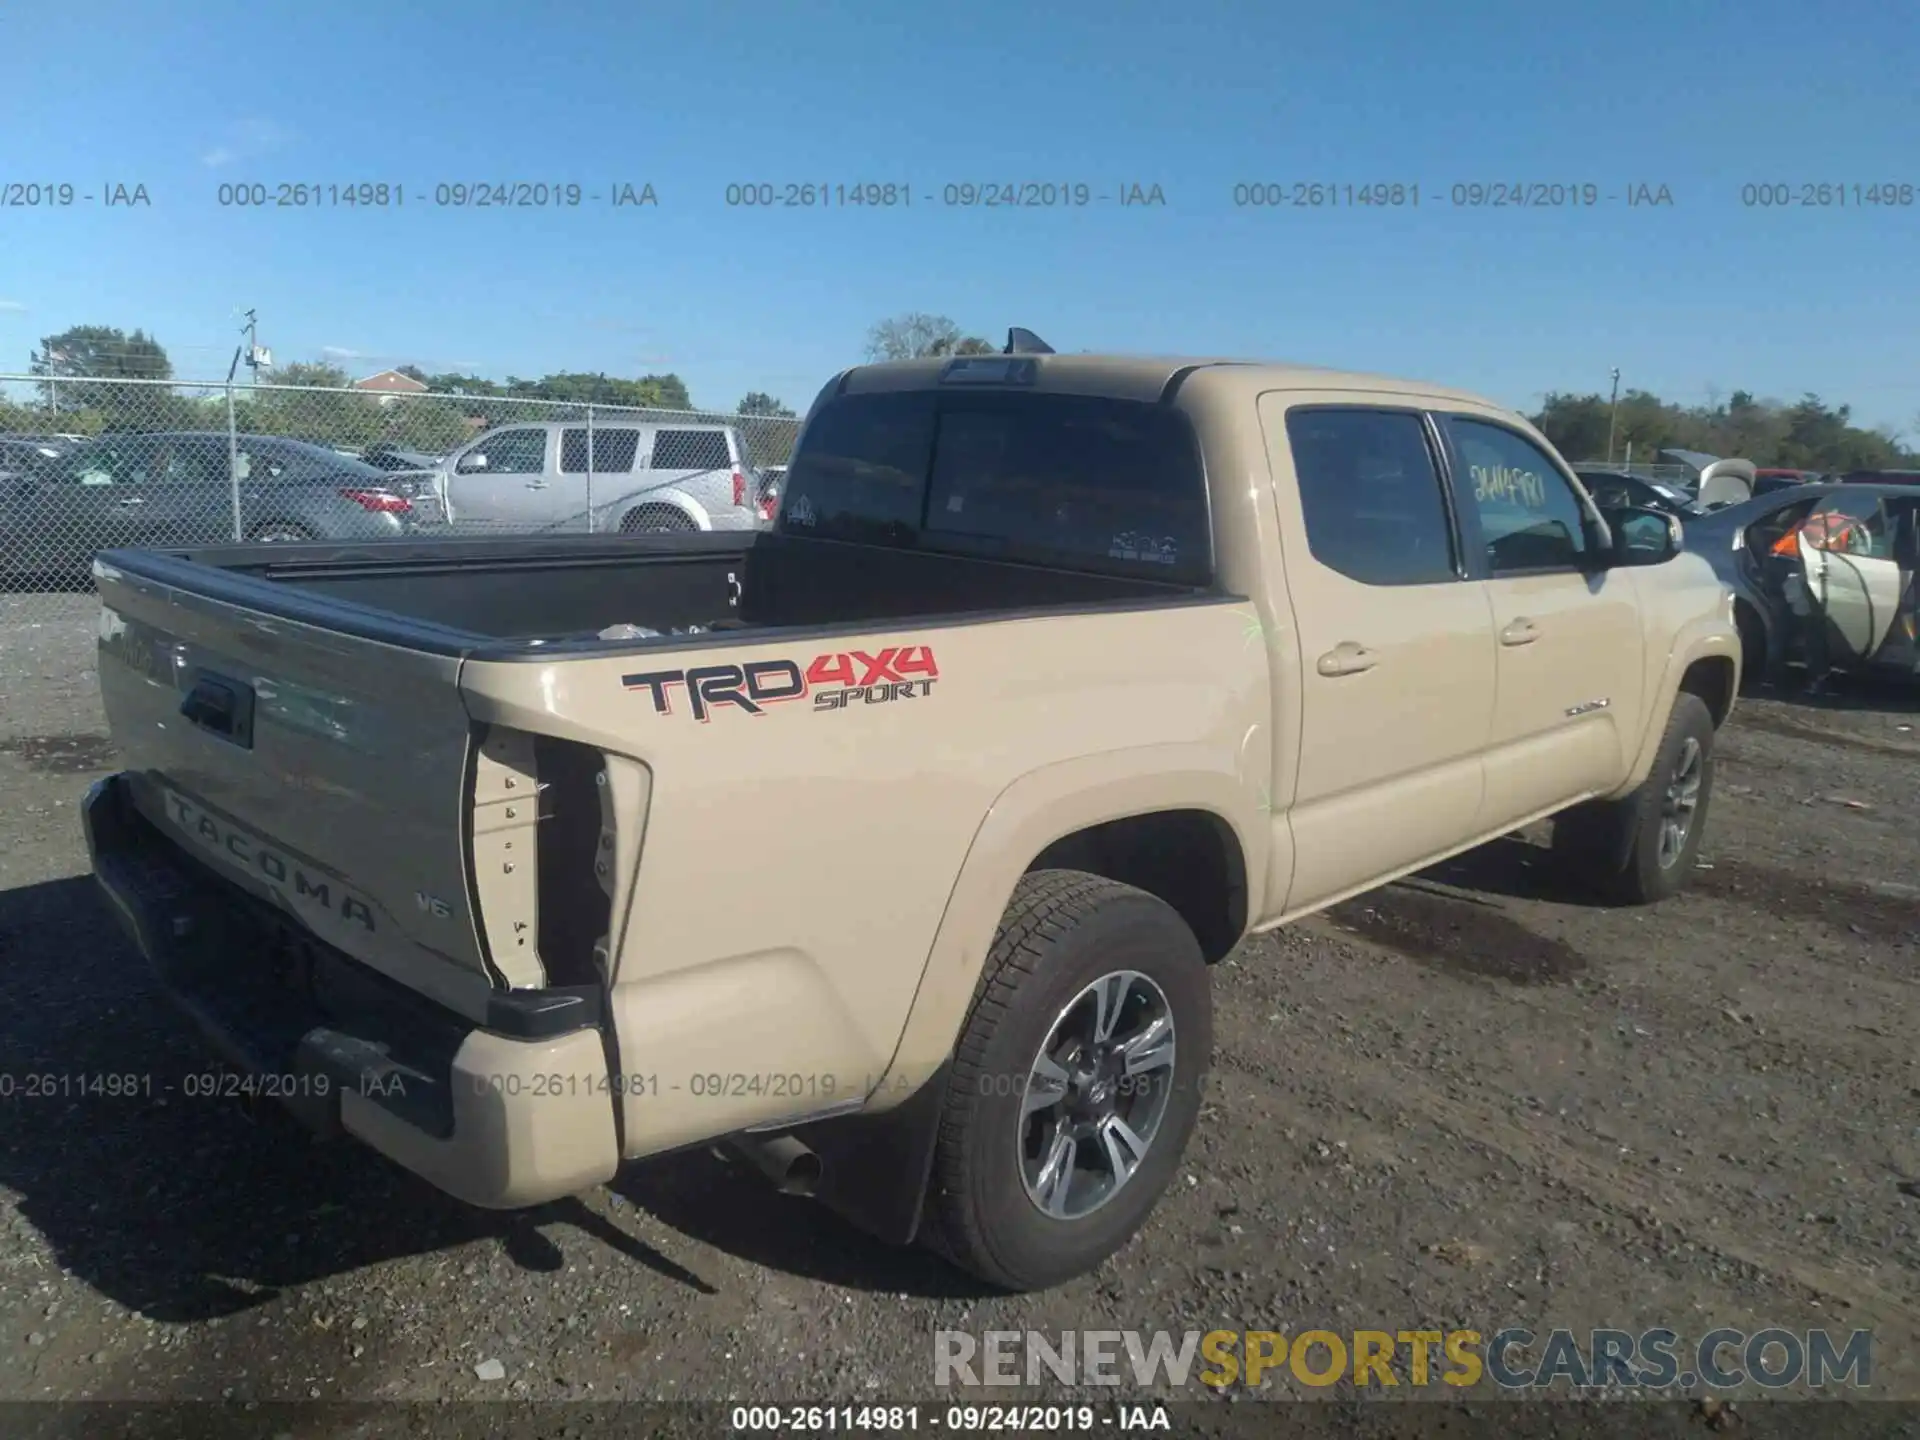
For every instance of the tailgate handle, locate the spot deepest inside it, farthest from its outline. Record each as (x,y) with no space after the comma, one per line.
(221,707)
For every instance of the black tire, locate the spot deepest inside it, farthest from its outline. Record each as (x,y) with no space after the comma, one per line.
(1063,931)
(1614,848)
(655,519)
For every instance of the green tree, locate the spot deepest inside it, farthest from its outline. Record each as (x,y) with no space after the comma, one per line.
(452,382)
(1576,424)
(96,353)
(430,424)
(1807,435)
(413,372)
(770,441)
(915,334)
(665,392)
(311,402)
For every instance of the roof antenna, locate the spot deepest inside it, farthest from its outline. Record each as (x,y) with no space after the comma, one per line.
(1025,342)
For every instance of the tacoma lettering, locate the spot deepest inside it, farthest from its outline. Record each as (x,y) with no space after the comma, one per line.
(271,866)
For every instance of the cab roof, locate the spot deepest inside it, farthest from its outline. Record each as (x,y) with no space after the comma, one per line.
(1137,377)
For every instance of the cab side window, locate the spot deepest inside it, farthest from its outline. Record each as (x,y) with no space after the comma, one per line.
(131,461)
(1371,496)
(1530,518)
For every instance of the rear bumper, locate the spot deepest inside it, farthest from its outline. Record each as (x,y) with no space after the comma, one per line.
(497,1119)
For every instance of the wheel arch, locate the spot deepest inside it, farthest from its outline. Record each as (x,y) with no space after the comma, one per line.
(1704,660)
(663,499)
(1099,813)
(877,1162)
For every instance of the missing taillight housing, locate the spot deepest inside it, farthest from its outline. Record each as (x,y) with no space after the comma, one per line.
(575,910)
(383,502)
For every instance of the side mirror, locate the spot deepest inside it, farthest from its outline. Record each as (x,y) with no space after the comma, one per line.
(470,462)
(1643,535)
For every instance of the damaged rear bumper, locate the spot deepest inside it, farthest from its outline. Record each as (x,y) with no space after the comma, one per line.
(514,1112)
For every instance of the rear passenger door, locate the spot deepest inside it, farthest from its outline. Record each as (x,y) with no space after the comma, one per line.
(1396,644)
(1569,639)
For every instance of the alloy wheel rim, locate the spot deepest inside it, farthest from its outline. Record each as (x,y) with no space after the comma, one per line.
(1681,802)
(1096,1095)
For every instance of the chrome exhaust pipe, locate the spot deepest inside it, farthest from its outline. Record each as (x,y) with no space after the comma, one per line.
(791,1166)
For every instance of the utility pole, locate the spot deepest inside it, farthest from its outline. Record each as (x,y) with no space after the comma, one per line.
(53,384)
(1613,411)
(252,352)
(249,351)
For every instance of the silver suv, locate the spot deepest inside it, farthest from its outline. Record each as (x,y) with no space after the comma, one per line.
(641,475)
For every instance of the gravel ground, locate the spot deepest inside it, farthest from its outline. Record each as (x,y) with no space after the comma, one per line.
(1467,1101)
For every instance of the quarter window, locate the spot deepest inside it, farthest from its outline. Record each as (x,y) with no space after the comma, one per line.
(691,450)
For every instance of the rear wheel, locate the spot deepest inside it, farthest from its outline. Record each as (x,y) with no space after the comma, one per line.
(653,519)
(1641,849)
(1076,1081)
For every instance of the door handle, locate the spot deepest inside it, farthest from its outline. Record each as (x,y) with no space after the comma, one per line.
(125,501)
(1346,658)
(1521,632)
(537,485)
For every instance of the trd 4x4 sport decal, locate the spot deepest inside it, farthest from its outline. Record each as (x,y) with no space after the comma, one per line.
(835,682)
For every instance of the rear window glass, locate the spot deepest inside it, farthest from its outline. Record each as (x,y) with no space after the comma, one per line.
(1078,480)
(691,450)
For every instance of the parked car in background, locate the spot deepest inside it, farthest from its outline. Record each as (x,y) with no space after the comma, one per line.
(1844,554)
(1715,480)
(61,442)
(393,457)
(1611,489)
(773,479)
(1767,480)
(644,476)
(20,454)
(176,488)
(1881,477)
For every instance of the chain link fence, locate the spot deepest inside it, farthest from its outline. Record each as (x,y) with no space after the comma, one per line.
(91,464)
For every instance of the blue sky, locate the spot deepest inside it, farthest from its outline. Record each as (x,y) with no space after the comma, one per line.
(1706,293)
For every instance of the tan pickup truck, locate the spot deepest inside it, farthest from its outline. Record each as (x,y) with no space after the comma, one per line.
(890,845)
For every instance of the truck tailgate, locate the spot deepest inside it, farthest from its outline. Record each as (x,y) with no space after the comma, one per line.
(324,771)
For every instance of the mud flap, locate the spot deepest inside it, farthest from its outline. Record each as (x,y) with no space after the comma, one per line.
(874,1169)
